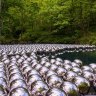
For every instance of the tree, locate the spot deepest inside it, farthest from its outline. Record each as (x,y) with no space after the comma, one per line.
(0,19)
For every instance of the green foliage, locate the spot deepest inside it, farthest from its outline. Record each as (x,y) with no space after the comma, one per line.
(34,20)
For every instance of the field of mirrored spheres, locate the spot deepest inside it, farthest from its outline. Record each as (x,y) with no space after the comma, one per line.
(47,70)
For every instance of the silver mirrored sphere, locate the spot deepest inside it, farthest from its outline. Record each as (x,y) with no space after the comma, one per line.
(19,92)
(17,83)
(70,89)
(33,78)
(82,84)
(55,92)
(39,88)
(54,81)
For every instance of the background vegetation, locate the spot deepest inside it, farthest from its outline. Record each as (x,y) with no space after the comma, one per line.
(48,21)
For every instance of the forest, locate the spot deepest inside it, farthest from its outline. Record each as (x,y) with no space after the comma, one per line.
(48,21)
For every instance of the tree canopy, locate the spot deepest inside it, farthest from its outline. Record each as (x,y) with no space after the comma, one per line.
(48,21)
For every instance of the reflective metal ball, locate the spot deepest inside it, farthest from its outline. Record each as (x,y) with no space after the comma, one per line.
(19,92)
(55,92)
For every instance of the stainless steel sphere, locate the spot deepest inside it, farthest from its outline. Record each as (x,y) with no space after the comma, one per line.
(43,71)
(34,64)
(70,75)
(78,62)
(55,92)
(38,67)
(19,92)
(18,83)
(11,64)
(2,74)
(32,72)
(17,56)
(2,64)
(73,64)
(3,83)
(83,84)
(70,89)
(12,67)
(49,73)
(7,61)
(59,59)
(61,71)
(54,81)
(87,68)
(2,91)
(67,62)
(42,62)
(77,70)
(52,61)
(29,59)
(47,64)
(88,75)
(14,71)
(33,78)
(39,88)
(53,67)
(2,69)
(15,76)
(67,67)
(58,63)
(24,66)
(93,66)
(25,70)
